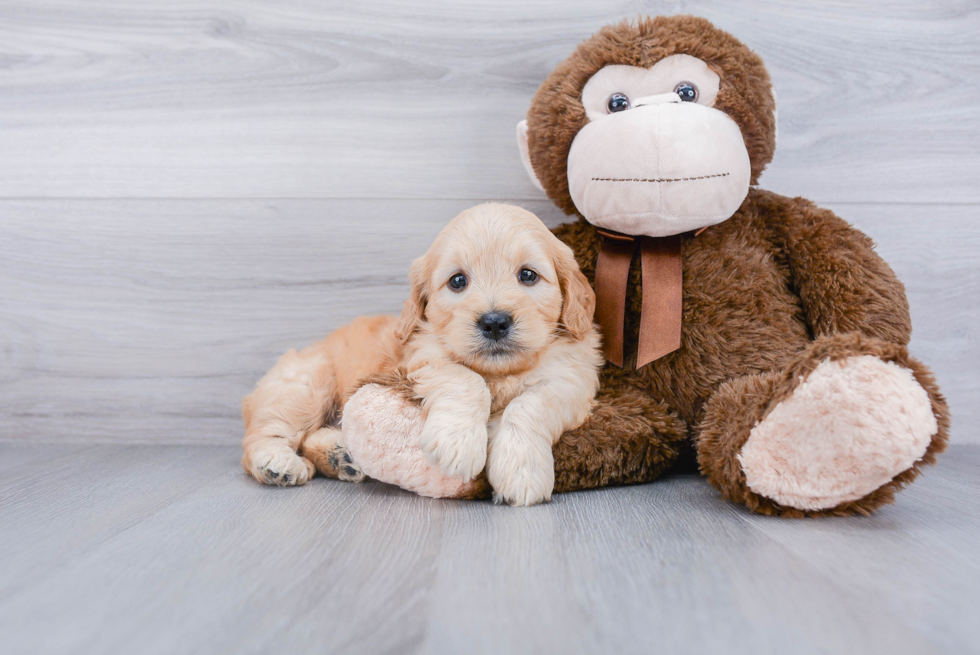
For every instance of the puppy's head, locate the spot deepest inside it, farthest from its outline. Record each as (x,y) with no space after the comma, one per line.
(496,288)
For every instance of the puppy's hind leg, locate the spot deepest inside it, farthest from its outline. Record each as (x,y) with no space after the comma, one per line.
(289,403)
(325,449)
(301,397)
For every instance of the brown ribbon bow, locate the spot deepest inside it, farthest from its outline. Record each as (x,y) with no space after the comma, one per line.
(660,318)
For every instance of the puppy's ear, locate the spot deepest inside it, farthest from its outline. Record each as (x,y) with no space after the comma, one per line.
(578,298)
(413,312)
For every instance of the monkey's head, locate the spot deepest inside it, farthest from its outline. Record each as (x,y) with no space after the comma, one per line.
(653,128)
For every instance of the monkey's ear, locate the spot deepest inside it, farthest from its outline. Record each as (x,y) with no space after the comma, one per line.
(413,312)
(526,155)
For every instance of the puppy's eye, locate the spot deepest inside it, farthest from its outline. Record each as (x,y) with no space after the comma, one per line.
(617,102)
(527,276)
(457,282)
(687,91)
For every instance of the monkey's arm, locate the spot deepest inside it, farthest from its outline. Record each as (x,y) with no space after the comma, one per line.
(844,285)
(629,438)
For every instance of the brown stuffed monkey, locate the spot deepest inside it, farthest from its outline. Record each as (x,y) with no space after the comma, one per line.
(755,334)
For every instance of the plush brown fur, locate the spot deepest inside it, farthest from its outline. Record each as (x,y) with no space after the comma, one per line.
(629,438)
(768,294)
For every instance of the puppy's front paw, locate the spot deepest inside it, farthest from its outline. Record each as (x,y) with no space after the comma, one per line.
(520,467)
(277,464)
(458,448)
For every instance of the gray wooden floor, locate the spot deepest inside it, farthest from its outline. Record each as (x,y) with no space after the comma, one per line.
(171,549)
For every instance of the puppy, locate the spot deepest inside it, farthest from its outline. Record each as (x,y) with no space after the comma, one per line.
(496,340)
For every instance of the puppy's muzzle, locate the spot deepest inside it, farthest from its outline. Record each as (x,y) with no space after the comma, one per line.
(495,325)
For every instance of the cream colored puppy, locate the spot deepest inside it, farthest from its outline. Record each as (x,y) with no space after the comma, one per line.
(496,340)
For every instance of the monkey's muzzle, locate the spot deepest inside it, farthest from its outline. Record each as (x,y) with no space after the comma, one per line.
(659,169)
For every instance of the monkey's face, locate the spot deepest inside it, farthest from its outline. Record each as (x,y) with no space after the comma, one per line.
(655,157)
(652,129)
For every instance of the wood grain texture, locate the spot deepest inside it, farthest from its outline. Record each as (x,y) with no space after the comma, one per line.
(390,99)
(137,321)
(161,549)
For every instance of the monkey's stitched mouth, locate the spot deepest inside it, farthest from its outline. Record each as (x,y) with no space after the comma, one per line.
(662,179)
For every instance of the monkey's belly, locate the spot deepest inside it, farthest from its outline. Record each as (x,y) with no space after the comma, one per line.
(727,333)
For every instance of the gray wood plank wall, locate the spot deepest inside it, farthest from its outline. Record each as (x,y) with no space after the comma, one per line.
(189,188)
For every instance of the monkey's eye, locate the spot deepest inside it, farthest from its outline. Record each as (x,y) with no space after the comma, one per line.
(457,282)
(527,276)
(687,91)
(617,102)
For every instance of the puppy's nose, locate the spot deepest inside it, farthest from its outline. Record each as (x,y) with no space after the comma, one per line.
(495,325)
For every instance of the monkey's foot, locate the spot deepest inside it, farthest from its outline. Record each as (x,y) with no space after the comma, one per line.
(847,429)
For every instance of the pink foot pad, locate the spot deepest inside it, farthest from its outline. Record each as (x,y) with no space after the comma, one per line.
(848,429)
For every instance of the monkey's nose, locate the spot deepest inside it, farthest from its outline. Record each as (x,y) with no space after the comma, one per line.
(658,99)
(495,325)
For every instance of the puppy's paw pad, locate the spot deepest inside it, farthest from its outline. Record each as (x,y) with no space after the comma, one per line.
(343,463)
(282,468)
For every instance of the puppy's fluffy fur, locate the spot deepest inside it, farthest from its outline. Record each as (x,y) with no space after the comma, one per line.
(495,403)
